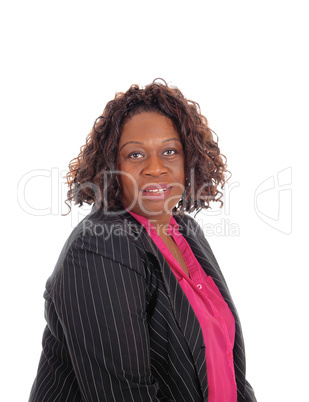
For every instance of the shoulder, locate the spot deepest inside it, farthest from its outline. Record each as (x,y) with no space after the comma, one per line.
(108,234)
(105,237)
(188,226)
(192,231)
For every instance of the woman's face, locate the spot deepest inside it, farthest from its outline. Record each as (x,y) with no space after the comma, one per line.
(151,164)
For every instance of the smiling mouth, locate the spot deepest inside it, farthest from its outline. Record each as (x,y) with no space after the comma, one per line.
(160,190)
(156,189)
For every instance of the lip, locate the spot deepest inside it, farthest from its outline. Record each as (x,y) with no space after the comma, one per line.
(158,191)
(159,186)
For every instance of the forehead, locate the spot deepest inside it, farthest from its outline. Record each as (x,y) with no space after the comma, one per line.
(148,125)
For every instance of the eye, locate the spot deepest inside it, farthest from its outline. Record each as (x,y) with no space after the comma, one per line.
(135,155)
(170,152)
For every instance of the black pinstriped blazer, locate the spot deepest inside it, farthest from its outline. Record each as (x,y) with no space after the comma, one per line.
(119,327)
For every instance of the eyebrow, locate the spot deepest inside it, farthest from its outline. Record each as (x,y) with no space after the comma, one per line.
(141,143)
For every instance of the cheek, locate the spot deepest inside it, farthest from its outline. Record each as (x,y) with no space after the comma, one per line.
(180,172)
(127,182)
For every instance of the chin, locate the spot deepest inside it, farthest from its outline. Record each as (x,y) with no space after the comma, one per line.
(152,208)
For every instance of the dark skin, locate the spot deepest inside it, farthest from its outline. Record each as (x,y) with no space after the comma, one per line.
(152,163)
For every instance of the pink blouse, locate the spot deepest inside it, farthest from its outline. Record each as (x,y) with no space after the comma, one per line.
(216,320)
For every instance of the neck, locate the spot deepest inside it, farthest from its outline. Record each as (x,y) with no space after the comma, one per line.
(161,224)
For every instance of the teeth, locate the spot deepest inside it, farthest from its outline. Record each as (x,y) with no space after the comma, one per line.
(157,190)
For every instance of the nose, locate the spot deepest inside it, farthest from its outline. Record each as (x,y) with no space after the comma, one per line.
(154,166)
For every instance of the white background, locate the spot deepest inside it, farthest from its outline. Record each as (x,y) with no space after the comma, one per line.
(246,63)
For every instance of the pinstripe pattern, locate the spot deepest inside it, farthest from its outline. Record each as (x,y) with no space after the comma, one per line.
(119,327)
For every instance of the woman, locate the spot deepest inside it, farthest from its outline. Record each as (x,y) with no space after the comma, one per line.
(137,308)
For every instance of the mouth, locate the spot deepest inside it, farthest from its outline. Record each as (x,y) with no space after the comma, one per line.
(159,191)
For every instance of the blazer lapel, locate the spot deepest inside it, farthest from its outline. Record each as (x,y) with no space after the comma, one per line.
(206,258)
(183,312)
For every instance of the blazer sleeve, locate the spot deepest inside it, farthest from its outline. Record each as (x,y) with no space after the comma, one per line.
(249,393)
(101,305)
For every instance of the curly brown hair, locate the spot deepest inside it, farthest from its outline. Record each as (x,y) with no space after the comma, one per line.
(92,176)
